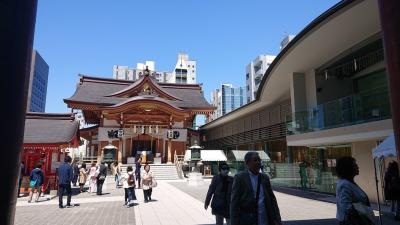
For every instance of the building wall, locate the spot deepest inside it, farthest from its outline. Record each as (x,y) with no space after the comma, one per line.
(38,83)
(362,152)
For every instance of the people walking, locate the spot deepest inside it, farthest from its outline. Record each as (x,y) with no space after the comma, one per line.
(392,188)
(65,175)
(147,179)
(252,200)
(138,166)
(129,186)
(352,203)
(93,178)
(116,171)
(36,182)
(76,172)
(303,174)
(220,191)
(101,177)
(82,177)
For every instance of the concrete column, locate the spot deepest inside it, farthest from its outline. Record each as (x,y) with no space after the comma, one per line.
(299,100)
(17,19)
(390,20)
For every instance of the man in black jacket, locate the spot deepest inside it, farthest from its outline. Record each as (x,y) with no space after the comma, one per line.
(101,178)
(65,175)
(252,200)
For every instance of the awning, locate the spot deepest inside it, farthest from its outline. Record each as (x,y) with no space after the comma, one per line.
(239,154)
(207,155)
(386,149)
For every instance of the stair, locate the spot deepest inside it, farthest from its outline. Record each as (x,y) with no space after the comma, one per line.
(160,171)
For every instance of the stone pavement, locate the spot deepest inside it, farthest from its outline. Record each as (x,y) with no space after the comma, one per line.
(174,202)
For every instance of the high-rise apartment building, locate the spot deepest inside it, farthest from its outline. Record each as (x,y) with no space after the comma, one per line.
(183,73)
(37,84)
(254,74)
(226,99)
(286,40)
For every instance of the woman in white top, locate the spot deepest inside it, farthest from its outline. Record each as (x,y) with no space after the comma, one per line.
(147,179)
(93,179)
(128,181)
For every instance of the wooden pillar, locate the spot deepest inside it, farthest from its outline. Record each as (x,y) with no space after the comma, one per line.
(390,20)
(120,147)
(169,151)
(17,19)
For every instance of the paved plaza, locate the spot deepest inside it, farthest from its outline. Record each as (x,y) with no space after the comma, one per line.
(174,202)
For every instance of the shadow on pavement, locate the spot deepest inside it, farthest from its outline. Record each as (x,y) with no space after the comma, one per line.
(312,222)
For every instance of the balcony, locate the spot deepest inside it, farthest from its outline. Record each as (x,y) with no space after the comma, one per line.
(351,110)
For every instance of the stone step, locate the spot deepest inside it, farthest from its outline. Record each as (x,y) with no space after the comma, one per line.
(161,171)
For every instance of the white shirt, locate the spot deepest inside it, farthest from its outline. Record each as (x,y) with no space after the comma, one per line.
(125,180)
(262,211)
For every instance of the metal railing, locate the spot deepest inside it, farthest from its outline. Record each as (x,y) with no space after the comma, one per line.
(178,161)
(350,110)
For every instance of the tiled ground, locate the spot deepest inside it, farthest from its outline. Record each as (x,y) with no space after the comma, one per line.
(173,203)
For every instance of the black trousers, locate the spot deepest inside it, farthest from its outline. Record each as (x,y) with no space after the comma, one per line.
(129,194)
(61,189)
(147,194)
(138,179)
(100,186)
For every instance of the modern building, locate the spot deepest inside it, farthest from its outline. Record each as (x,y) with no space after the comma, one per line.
(254,73)
(183,73)
(143,117)
(37,83)
(317,103)
(226,99)
(286,40)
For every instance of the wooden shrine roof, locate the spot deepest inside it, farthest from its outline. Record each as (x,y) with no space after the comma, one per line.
(105,92)
(50,128)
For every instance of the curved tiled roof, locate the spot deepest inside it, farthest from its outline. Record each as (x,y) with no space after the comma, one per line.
(50,128)
(95,90)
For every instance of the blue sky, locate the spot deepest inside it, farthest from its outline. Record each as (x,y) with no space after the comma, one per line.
(89,37)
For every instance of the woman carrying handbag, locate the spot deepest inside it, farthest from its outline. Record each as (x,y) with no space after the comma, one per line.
(147,182)
(353,206)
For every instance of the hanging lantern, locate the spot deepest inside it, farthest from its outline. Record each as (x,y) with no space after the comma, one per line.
(134,129)
(149,129)
(157,129)
(143,130)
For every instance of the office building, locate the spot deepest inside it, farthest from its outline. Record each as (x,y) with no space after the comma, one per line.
(37,83)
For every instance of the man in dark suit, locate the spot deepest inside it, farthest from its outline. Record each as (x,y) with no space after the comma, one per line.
(252,200)
(65,174)
(101,177)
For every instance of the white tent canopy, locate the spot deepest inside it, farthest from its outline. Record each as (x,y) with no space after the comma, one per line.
(110,146)
(239,155)
(207,155)
(386,149)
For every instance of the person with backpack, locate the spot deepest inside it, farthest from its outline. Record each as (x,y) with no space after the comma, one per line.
(392,188)
(36,182)
(129,186)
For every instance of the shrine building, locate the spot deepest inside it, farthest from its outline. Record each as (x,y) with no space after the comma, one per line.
(133,118)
